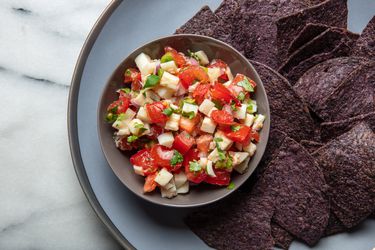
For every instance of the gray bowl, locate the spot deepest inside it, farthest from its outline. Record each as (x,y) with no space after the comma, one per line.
(119,161)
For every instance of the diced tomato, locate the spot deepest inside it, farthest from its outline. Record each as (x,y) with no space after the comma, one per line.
(200,92)
(143,159)
(155,131)
(217,63)
(196,177)
(253,135)
(132,75)
(241,133)
(183,142)
(162,155)
(193,73)
(189,124)
(177,57)
(222,178)
(221,93)
(240,77)
(155,112)
(124,145)
(222,117)
(121,105)
(150,183)
(203,143)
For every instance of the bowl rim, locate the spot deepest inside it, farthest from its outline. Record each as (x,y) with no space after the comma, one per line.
(99,122)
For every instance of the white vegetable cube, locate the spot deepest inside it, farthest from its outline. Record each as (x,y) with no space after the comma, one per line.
(169,190)
(225,143)
(141,100)
(251,148)
(164,92)
(129,114)
(209,169)
(203,162)
(188,108)
(123,131)
(193,87)
(209,113)
(252,107)
(180,179)
(170,81)
(173,122)
(206,106)
(163,177)
(170,67)
(238,157)
(143,115)
(213,74)
(166,139)
(183,189)
(227,83)
(214,156)
(258,122)
(138,170)
(242,167)
(135,126)
(146,129)
(144,64)
(203,59)
(249,120)
(152,95)
(208,125)
(240,113)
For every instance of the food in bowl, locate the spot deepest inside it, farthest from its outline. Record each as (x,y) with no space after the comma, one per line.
(188,118)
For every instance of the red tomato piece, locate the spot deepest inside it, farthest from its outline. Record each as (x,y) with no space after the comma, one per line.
(162,156)
(196,177)
(183,142)
(155,112)
(253,135)
(155,131)
(121,105)
(132,75)
(203,143)
(222,178)
(193,73)
(222,117)
(150,183)
(221,93)
(241,133)
(177,57)
(217,63)
(200,92)
(143,159)
(241,77)
(189,124)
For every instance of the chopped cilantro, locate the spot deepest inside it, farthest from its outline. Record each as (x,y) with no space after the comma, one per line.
(189,100)
(193,55)
(152,81)
(189,115)
(231,186)
(194,166)
(132,138)
(225,162)
(111,117)
(246,85)
(219,150)
(166,57)
(235,128)
(121,117)
(218,104)
(233,106)
(138,125)
(125,90)
(168,111)
(241,96)
(176,158)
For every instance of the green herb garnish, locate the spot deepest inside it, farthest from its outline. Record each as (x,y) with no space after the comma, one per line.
(111,117)
(132,138)
(152,81)
(168,111)
(241,96)
(233,106)
(189,100)
(160,72)
(166,57)
(231,186)
(125,90)
(194,166)
(189,115)
(219,150)
(225,162)
(176,158)
(235,128)
(218,104)
(246,85)
(193,55)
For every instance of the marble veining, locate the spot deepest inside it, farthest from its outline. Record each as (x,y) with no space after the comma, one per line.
(42,205)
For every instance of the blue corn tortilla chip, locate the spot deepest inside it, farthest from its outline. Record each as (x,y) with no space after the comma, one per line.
(311,146)
(330,130)
(289,113)
(353,97)
(319,82)
(330,12)
(349,168)
(334,226)
(282,238)
(202,23)
(326,42)
(365,45)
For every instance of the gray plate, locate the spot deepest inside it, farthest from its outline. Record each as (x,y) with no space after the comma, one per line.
(123,26)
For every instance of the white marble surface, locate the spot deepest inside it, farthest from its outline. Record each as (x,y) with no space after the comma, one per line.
(41,203)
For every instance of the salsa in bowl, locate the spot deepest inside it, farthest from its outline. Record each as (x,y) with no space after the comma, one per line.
(186,117)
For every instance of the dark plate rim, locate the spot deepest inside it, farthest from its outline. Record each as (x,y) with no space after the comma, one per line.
(73,130)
